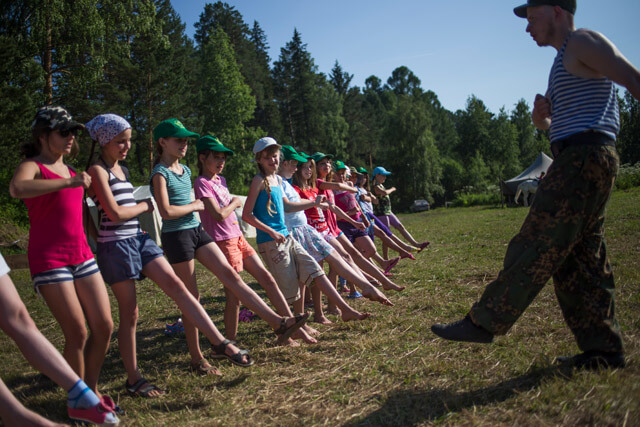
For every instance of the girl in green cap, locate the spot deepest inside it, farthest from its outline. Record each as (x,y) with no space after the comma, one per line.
(184,240)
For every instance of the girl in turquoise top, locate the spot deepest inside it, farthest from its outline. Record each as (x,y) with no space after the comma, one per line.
(184,240)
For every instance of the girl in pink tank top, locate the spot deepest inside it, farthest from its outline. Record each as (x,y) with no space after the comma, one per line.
(64,271)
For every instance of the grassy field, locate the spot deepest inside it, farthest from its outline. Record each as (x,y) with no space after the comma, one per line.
(389,370)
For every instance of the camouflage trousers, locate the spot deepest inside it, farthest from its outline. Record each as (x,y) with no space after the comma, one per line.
(562,237)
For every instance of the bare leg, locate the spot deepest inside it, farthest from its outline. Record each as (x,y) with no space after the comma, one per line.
(97,308)
(348,313)
(388,242)
(355,276)
(318,314)
(16,322)
(125,293)
(162,273)
(186,272)
(367,266)
(231,314)
(13,413)
(213,259)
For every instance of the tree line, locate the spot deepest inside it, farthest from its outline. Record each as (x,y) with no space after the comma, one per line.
(133,58)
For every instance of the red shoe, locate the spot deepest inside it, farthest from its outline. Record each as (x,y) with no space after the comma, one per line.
(100,415)
(408,255)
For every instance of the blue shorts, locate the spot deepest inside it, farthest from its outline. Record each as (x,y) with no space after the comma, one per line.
(68,273)
(181,245)
(122,260)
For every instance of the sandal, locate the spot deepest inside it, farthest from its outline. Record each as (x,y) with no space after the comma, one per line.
(392,264)
(203,368)
(142,388)
(220,352)
(285,333)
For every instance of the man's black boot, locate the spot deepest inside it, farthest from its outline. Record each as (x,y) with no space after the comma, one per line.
(463,330)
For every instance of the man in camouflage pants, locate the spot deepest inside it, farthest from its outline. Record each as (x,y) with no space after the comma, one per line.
(562,237)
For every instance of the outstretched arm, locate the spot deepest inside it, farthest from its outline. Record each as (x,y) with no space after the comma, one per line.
(596,52)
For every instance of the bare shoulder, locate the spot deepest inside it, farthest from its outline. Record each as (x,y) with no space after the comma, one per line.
(28,167)
(585,40)
(587,54)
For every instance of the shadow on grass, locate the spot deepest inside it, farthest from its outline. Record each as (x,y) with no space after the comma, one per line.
(412,407)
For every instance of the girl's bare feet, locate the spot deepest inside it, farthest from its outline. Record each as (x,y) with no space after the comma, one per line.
(302,334)
(354,315)
(322,320)
(335,311)
(375,295)
(390,286)
(311,331)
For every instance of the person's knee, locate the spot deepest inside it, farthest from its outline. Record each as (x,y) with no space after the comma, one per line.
(16,322)
(103,329)
(129,318)
(75,334)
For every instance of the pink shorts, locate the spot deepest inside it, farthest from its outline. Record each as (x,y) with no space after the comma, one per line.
(390,220)
(235,251)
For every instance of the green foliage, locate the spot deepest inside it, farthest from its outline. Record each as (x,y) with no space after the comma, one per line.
(629,137)
(133,58)
(628,176)
(470,197)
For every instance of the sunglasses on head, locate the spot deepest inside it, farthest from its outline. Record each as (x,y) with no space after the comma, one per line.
(66,133)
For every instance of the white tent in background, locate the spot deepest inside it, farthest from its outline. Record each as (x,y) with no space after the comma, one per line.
(539,165)
(151,222)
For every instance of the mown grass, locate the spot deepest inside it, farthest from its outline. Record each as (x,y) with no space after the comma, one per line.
(389,370)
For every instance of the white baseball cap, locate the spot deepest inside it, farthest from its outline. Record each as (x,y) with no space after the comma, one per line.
(263,143)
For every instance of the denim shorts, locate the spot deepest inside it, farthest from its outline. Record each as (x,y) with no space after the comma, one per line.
(180,246)
(122,260)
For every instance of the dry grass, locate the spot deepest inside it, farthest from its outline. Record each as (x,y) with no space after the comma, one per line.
(390,370)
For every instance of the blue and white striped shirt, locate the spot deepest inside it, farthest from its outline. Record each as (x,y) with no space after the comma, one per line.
(110,231)
(579,104)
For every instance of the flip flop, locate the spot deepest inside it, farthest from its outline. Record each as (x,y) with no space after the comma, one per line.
(285,333)
(393,263)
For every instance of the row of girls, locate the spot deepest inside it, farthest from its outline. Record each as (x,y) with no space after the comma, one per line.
(71,282)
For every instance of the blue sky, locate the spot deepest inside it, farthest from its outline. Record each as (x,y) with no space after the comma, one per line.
(456,47)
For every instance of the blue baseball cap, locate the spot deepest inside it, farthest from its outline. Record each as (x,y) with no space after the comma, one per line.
(380,171)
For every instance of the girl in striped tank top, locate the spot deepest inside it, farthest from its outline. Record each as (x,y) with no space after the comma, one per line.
(129,254)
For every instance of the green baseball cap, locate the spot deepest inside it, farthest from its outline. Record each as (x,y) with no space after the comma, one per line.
(305,155)
(362,170)
(290,153)
(340,165)
(172,128)
(568,5)
(317,156)
(209,142)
